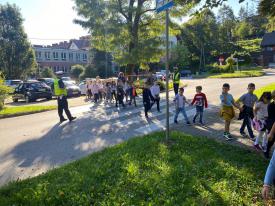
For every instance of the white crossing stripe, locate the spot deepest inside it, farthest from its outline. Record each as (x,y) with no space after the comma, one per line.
(161,125)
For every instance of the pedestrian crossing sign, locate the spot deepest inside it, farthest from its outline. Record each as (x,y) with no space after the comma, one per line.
(162,5)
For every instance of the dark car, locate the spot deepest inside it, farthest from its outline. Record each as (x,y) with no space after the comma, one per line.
(31,91)
(72,89)
(48,81)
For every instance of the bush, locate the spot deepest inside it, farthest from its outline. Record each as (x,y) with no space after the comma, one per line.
(244,56)
(47,73)
(4,91)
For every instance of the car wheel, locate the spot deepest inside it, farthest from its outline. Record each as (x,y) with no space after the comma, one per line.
(15,100)
(50,98)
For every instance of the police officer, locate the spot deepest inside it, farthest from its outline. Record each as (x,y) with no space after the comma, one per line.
(176,80)
(61,93)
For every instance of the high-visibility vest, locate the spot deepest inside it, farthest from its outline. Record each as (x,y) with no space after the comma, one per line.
(57,90)
(176,78)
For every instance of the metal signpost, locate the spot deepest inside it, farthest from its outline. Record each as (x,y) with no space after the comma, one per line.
(164,5)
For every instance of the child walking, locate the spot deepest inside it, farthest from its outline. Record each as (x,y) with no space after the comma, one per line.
(248,100)
(120,94)
(155,91)
(180,101)
(108,92)
(259,122)
(133,94)
(227,110)
(147,99)
(114,88)
(200,102)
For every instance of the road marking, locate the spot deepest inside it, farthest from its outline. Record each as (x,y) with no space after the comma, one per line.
(161,125)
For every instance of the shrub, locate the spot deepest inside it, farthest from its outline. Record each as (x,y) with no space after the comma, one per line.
(244,56)
(4,91)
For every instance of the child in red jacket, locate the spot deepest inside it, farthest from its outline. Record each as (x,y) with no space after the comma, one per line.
(200,102)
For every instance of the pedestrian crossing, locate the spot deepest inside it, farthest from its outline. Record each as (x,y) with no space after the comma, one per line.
(132,118)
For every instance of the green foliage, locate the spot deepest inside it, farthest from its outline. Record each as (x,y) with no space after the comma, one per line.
(267,88)
(4,91)
(102,62)
(243,56)
(76,71)
(147,171)
(16,54)
(89,72)
(180,56)
(22,110)
(250,45)
(243,29)
(47,73)
(239,74)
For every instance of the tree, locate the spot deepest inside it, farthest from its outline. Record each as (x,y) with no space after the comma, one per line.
(47,73)
(4,91)
(180,56)
(267,8)
(130,30)
(243,29)
(102,62)
(16,54)
(76,71)
(89,72)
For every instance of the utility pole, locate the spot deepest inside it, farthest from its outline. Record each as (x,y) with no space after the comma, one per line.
(167,74)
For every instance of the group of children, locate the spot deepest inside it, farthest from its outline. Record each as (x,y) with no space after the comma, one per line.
(111,91)
(257,114)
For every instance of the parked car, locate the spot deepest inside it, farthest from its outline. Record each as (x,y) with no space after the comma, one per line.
(160,76)
(49,82)
(68,79)
(72,89)
(83,88)
(13,83)
(31,91)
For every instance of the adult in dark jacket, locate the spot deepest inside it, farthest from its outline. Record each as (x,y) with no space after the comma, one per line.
(148,99)
(120,93)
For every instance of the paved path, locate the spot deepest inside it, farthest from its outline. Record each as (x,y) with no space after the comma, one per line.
(32,144)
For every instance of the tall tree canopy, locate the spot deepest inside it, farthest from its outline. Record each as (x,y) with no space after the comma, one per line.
(129,29)
(16,54)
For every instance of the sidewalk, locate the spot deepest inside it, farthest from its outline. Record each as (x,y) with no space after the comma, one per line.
(214,128)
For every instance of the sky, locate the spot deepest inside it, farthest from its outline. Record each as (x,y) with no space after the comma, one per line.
(51,21)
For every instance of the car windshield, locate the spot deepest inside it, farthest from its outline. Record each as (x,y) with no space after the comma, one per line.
(38,85)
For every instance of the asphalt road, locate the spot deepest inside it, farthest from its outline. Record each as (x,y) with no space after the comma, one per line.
(33,144)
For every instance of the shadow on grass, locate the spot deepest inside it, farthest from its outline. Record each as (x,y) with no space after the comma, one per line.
(146,171)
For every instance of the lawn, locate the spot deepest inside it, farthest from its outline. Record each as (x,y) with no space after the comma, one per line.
(21,110)
(267,88)
(146,171)
(239,74)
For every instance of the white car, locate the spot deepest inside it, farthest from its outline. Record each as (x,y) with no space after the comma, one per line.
(83,88)
(13,83)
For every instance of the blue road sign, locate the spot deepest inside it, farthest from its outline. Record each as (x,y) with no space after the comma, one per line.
(162,5)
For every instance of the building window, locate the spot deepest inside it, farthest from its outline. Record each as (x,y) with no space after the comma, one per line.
(71,56)
(63,56)
(77,57)
(47,55)
(84,57)
(55,55)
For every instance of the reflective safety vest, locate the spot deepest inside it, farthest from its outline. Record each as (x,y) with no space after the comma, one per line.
(57,90)
(176,78)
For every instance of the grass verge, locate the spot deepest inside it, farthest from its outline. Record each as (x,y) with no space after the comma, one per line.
(146,171)
(22,110)
(239,74)
(267,88)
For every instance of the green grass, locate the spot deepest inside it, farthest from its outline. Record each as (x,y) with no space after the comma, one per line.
(20,110)
(239,74)
(146,171)
(267,88)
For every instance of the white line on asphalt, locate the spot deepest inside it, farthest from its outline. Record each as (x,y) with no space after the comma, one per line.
(161,125)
